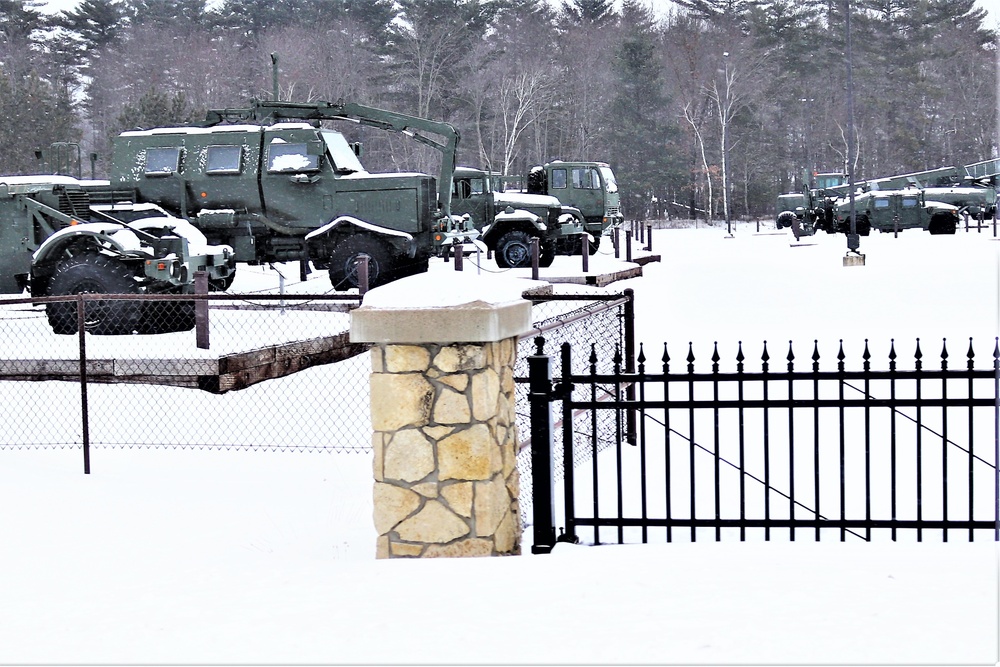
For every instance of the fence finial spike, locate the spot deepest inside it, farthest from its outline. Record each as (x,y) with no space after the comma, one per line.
(665,358)
(690,357)
(970,354)
(642,355)
(739,352)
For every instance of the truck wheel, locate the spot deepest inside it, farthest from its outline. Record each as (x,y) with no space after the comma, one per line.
(594,245)
(784,219)
(942,225)
(91,273)
(167,316)
(514,250)
(346,256)
(547,254)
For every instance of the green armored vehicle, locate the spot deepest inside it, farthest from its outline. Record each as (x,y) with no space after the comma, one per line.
(276,186)
(896,210)
(509,221)
(590,187)
(54,242)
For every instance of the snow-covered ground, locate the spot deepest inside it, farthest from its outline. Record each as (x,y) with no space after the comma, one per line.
(214,556)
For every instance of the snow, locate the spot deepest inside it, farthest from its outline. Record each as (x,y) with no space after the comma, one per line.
(176,556)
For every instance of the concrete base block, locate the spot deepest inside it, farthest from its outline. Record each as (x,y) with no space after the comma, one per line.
(854,259)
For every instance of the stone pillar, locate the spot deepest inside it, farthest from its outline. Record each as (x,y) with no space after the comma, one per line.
(444,440)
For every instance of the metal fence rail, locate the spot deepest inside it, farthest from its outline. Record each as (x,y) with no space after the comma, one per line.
(846,453)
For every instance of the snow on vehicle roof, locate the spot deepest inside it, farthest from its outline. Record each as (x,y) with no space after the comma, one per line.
(39,179)
(191,130)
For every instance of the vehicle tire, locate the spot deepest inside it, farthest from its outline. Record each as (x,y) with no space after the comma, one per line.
(942,225)
(160,317)
(513,250)
(784,219)
(547,254)
(594,245)
(346,257)
(92,273)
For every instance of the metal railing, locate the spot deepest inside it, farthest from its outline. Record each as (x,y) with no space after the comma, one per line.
(851,453)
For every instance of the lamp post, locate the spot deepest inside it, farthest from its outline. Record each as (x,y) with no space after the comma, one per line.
(853,257)
(725,147)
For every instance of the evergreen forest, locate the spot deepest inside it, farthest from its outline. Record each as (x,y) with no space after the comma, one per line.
(698,105)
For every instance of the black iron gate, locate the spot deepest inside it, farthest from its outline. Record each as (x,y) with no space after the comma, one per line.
(851,453)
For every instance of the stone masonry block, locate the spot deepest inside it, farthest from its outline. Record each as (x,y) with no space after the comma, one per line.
(452,407)
(434,523)
(485,392)
(455,358)
(470,454)
(400,400)
(491,505)
(392,504)
(471,547)
(406,358)
(409,456)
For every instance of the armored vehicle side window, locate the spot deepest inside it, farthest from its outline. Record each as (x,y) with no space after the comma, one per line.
(282,156)
(223,160)
(559,178)
(162,161)
(909,202)
(881,203)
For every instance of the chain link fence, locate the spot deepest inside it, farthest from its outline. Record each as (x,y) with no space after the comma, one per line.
(247,372)
(600,323)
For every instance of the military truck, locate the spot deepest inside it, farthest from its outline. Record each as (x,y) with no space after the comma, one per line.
(276,186)
(53,243)
(509,221)
(590,187)
(896,210)
(805,212)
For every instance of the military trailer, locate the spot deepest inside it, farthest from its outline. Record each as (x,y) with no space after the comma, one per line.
(54,243)
(508,221)
(590,187)
(276,186)
(896,210)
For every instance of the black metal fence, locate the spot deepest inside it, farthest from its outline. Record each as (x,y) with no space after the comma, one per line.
(850,453)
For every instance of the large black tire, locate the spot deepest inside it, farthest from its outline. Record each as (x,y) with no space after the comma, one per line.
(547,254)
(784,219)
(167,316)
(513,250)
(942,225)
(92,273)
(346,257)
(594,245)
